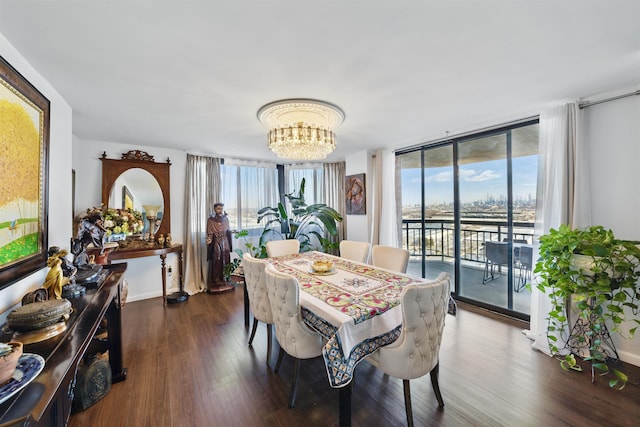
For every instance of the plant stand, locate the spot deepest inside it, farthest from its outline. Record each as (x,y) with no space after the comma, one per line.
(580,343)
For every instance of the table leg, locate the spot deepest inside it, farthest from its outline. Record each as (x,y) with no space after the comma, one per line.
(180,271)
(163,261)
(345,405)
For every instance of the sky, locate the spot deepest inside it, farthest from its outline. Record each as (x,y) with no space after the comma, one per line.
(478,181)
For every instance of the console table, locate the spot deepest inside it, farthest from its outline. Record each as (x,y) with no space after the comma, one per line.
(48,399)
(144,250)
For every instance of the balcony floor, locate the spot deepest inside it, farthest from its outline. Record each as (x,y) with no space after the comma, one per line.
(493,292)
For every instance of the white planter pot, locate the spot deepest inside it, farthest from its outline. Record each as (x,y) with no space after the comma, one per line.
(584,264)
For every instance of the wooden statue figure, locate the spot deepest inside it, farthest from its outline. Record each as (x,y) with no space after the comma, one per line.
(219,246)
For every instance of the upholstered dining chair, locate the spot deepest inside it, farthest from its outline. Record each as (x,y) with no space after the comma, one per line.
(416,351)
(394,259)
(294,337)
(283,247)
(259,305)
(355,251)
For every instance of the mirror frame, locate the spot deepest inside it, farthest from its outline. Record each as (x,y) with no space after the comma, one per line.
(136,159)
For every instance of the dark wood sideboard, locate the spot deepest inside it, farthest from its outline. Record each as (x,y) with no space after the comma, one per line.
(47,400)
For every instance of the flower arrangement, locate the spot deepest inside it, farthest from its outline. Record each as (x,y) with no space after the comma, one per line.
(120,221)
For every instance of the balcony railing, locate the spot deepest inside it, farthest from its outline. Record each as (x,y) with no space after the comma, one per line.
(439,239)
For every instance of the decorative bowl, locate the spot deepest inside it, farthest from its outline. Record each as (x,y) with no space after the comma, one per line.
(322,265)
(9,361)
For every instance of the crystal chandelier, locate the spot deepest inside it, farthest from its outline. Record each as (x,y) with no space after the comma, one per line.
(301,129)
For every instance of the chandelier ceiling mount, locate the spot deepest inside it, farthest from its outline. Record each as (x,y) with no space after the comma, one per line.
(301,129)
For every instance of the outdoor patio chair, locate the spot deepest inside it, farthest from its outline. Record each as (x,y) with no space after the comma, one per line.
(525,264)
(496,255)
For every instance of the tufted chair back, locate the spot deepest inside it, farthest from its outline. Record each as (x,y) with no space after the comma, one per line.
(256,283)
(295,338)
(283,247)
(415,352)
(390,258)
(293,335)
(355,251)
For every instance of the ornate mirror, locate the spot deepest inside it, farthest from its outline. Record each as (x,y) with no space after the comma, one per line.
(136,180)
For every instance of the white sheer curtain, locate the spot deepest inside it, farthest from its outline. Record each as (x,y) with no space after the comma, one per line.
(385,228)
(334,176)
(202,191)
(314,182)
(248,186)
(563,194)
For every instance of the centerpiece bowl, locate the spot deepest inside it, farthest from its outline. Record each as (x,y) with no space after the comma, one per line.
(322,265)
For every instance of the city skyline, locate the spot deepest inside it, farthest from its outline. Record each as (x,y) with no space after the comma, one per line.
(479,182)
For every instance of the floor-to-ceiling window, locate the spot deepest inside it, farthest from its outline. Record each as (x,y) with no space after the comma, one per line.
(312,174)
(468,208)
(246,188)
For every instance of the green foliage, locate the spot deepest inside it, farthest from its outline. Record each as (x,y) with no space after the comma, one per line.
(600,274)
(305,220)
(255,251)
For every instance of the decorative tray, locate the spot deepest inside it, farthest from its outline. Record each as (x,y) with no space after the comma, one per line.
(322,273)
(29,366)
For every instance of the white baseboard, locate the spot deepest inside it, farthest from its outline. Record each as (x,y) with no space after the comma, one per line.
(149,295)
(140,297)
(628,357)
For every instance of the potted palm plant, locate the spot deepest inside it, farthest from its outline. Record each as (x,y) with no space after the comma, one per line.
(305,221)
(589,274)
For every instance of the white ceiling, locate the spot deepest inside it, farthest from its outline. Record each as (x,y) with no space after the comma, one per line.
(191,75)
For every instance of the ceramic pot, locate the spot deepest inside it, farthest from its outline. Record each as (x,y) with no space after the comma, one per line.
(8,362)
(585,264)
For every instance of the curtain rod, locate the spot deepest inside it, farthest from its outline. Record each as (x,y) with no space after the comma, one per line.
(448,137)
(613,98)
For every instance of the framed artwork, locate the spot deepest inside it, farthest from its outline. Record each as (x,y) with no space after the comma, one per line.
(127,198)
(356,195)
(24,174)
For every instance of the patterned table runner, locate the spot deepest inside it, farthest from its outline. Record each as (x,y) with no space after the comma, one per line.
(357,300)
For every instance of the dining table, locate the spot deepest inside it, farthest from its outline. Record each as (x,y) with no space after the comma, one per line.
(356,307)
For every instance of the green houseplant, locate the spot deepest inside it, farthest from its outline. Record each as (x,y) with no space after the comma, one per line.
(255,251)
(592,273)
(304,222)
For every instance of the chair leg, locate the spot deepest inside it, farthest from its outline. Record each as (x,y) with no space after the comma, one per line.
(488,272)
(407,403)
(294,384)
(269,335)
(521,281)
(485,276)
(280,356)
(436,386)
(253,331)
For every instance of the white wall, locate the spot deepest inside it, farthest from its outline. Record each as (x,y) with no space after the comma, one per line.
(613,133)
(60,152)
(143,274)
(359,226)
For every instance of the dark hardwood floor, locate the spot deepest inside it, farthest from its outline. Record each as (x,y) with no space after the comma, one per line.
(189,365)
